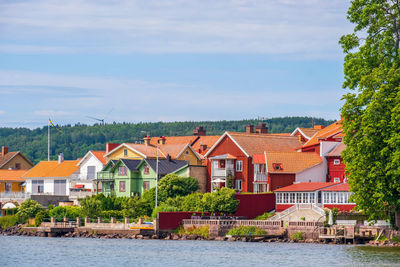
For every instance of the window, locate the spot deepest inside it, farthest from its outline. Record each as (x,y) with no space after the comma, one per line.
(222,164)
(277,166)
(125,152)
(340,197)
(239,185)
(121,186)
(187,152)
(312,197)
(146,169)
(291,198)
(239,165)
(299,199)
(305,197)
(336,161)
(336,180)
(285,198)
(91,172)
(146,185)
(37,186)
(17,166)
(334,197)
(122,170)
(279,199)
(7,187)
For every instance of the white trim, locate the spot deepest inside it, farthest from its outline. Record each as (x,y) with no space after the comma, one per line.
(233,140)
(127,146)
(87,154)
(190,147)
(301,132)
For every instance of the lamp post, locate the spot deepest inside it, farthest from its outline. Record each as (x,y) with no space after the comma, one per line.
(157,177)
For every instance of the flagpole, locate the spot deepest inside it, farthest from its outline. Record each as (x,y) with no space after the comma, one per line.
(157,177)
(48,141)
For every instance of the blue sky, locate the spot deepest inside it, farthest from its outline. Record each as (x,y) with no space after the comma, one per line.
(169,60)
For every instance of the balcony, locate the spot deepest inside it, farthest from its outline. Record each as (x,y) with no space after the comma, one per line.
(223,172)
(260,177)
(105,176)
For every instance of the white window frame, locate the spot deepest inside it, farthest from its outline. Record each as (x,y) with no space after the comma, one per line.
(336,162)
(239,185)
(239,165)
(336,180)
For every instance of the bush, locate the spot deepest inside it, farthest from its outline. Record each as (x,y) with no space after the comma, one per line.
(396,239)
(163,208)
(203,231)
(265,216)
(223,200)
(192,202)
(112,213)
(40,216)
(246,230)
(70,212)
(91,207)
(297,236)
(8,221)
(28,209)
(136,207)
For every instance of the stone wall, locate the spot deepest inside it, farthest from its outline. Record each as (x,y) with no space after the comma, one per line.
(46,200)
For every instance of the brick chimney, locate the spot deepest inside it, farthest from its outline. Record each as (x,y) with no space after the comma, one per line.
(261,128)
(146,140)
(319,127)
(60,158)
(249,129)
(161,140)
(203,147)
(199,131)
(111,146)
(4,150)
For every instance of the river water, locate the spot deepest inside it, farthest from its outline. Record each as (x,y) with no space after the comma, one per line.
(42,251)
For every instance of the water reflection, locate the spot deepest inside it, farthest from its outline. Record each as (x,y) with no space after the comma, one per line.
(374,255)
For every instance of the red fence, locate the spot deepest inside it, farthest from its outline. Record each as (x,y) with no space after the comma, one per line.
(250,206)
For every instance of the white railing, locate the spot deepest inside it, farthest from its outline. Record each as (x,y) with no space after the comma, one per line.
(318,210)
(218,172)
(14,195)
(260,177)
(282,214)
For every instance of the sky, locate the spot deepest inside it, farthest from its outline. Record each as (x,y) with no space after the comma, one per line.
(170,60)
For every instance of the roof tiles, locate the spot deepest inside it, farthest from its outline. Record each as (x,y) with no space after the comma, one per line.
(53,169)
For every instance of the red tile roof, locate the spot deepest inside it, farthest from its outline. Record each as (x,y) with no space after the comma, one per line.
(291,162)
(339,187)
(337,150)
(259,158)
(12,175)
(175,140)
(329,131)
(100,156)
(304,187)
(208,140)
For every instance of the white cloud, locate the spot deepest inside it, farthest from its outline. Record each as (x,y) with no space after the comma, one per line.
(308,27)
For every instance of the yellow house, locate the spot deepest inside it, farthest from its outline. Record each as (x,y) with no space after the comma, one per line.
(14,160)
(11,181)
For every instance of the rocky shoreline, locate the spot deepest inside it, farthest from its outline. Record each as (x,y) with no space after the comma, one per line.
(19,231)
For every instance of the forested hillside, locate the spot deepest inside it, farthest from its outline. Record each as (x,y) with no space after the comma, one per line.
(74,141)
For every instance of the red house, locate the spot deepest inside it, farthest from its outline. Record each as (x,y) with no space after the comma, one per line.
(325,195)
(336,167)
(233,158)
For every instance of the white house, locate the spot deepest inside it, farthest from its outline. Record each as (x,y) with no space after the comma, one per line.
(92,163)
(51,177)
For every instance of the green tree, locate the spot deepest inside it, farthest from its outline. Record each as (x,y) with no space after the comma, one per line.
(372,108)
(91,207)
(136,207)
(28,209)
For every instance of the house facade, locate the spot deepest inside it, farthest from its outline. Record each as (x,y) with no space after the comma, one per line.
(11,182)
(325,195)
(52,177)
(14,160)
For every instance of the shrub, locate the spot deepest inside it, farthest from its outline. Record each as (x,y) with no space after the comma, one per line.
(396,239)
(40,216)
(28,209)
(246,230)
(265,216)
(136,207)
(203,231)
(70,212)
(163,208)
(91,207)
(192,202)
(112,213)
(8,221)
(297,236)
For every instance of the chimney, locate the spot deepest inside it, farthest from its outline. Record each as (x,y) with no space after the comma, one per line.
(162,140)
(319,127)
(261,128)
(203,147)
(249,129)
(146,140)
(60,158)
(4,150)
(168,157)
(199,131)
(111,146)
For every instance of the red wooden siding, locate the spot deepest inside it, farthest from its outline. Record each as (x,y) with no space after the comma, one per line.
(276,180)
(335,170)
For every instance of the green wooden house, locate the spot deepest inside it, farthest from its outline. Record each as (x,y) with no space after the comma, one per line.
(127,177)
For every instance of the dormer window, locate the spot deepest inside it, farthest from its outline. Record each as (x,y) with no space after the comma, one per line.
(336,161)
(277,166)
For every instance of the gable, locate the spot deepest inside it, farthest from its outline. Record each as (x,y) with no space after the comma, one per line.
(119,153)
(226,146)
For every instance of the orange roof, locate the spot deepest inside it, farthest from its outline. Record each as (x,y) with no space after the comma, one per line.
(259,159)
(309,132)
(100,156)
(175,140)
(53,169)
(339,187)
(172,150)
(304,187)
(208,140)
(329,131)
(258,143)
(12,175)
(337,150)
(291,162)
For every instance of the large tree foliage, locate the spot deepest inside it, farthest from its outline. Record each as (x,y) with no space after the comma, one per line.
(372,109)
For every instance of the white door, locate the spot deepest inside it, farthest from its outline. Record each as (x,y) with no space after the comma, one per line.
(60,187)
